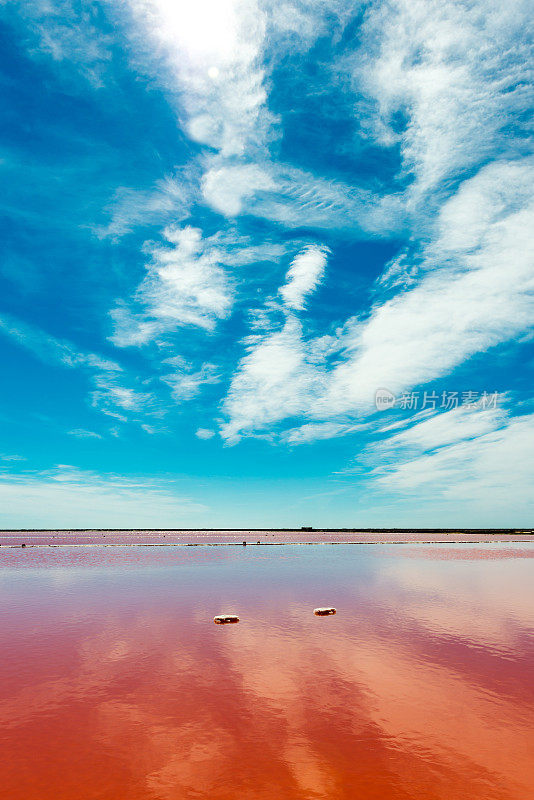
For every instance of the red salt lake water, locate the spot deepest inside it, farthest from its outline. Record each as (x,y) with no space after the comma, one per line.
(302,536)
(115,683)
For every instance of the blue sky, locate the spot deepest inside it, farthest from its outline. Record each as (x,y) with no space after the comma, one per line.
(226,225)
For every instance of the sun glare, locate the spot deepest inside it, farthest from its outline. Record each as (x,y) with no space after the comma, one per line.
(207,30)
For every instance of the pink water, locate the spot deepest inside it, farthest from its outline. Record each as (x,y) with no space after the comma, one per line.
(115,683)
(164,537)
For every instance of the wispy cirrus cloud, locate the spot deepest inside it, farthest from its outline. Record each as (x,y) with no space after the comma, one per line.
(389,137)
(275,379)
(455,74)
(50,349)
(292,197)
(132,208)
(185,284)
(69,497)
(212,66)
(465,283)
(115,399)
(187,382)
(110,392)
(317,431)
(423,88)
(434,430)
(304,274)
(475,292)
(82,433)
(478,458)
(273,382)
(65,31)
(214,62)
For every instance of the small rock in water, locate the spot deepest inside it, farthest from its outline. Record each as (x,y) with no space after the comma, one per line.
(23,544)
(225,619)
(244,544)
(324,612)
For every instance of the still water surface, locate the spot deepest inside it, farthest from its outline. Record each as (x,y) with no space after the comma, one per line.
(115,683)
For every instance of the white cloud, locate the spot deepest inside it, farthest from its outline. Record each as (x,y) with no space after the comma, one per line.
(81,433)
(131,208)
(185,285)
(274,381)
(68,497)
(458,75)
(214,61)
(289,195)
(51,350)
(475,291)
(204,433)
(212,50)
(315,431)
(226,188)
(306,271)
(458,72)
(326,203)
(109,394)
(187,384)
(447,82)
(113,398)
(440,429)
(477,458)
(297,24)
(65,31)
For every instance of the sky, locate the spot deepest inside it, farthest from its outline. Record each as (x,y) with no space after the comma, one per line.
(266,263)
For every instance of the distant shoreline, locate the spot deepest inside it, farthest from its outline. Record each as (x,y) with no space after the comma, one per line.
(518,531)
(192,537)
